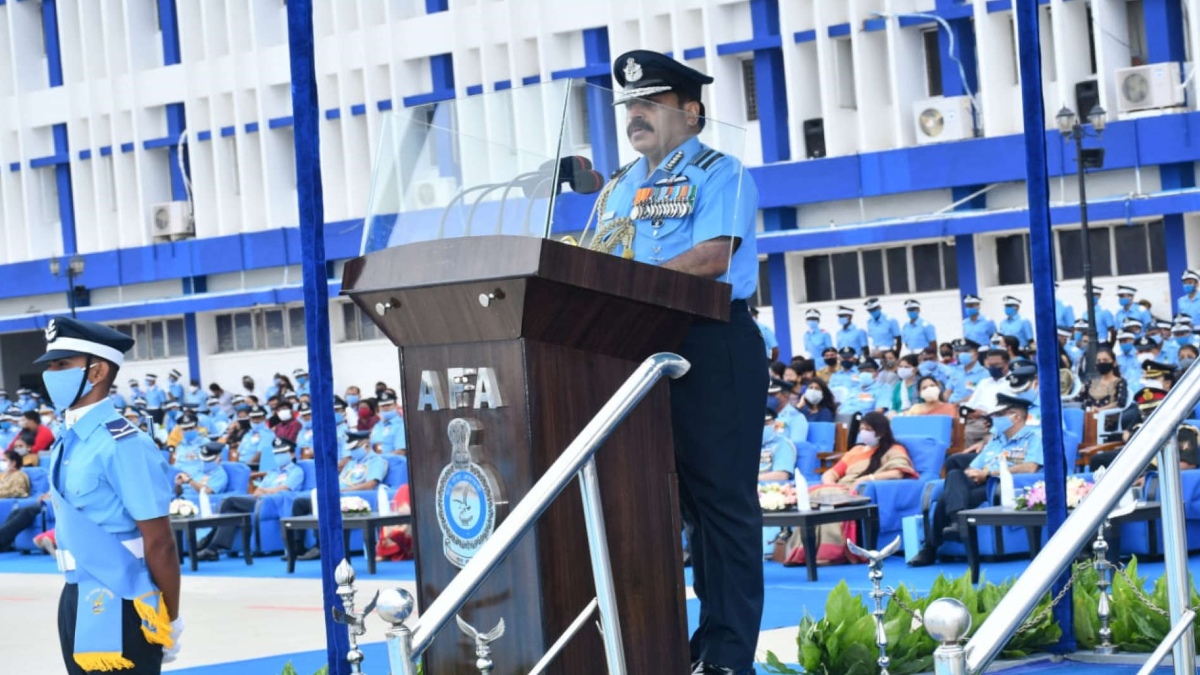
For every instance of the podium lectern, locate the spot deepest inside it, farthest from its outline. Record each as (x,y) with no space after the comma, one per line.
(509,345)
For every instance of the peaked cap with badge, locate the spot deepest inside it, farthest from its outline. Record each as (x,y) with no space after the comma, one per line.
(67,337)
(643,73)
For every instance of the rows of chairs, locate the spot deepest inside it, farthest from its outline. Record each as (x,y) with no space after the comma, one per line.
(268,532)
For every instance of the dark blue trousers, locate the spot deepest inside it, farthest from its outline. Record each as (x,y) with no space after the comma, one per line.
(717,417)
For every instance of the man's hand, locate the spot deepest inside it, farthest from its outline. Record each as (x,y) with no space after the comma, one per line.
(171,654)
(976,475)
(181,479)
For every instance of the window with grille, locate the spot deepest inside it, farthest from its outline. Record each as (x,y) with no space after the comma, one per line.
(750,89)
(267,328)
(155,339)
(358,325)
(846,275)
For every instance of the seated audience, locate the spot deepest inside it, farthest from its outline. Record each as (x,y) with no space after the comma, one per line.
(817,402)
(285,476)
(36,436)
(1014,442)
(933,399)
(905,394)
(14,482)
(829,357)
(206,475)
(778,459)
(1108,389)
(876,457)
(365,471)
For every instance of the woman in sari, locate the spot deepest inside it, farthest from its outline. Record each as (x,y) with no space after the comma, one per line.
(876,457)
(932,399)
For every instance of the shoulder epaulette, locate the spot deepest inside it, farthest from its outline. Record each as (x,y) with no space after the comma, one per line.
(705,159)
(120,428)
(622,171)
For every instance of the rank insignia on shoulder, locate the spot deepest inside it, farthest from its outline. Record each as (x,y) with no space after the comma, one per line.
(120,428)
(706,159)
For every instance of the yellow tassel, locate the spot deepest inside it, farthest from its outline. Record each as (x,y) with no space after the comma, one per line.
(103,661)
(628,253)
(156,623)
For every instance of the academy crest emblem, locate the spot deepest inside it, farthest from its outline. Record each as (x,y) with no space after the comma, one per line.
(633,70)
(467,495)
(51,330)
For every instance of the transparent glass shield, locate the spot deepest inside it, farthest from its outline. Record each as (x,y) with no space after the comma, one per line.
(675,191)
(475,166)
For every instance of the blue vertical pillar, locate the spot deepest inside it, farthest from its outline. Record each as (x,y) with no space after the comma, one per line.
(964,49)
(602,123)
(964,244)
(770,82)
(62,150)
(774,220)
(1164,30)
(192,286)
(1041,244)
(1176,177)
(311,210)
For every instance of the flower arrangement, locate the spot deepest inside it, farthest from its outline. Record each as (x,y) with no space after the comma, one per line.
(182,508)
(1034,496)
(355,505)
(776,496)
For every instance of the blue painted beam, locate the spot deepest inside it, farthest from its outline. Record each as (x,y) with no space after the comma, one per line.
(168,23)
(127,147)
(582,72)
(770,83)
(474,90)
(754,44)
(693,53)
(280,122)
(805,36)
(251,127)
(333,113)
(503,84)
(358,109)
(432,97)
(602,128)
(839,30)
(228,131)
(531,79)
(777,220)
(435,6)
(50,35)
(1164,30)
(85,154)
(204,135)
(50,160)
(384,105)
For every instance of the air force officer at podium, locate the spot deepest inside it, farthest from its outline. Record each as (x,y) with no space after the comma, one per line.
(686,206)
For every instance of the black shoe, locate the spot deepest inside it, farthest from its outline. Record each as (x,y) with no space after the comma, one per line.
(207,555)
(313,553)
(950,533)
(924,558)
(702,668)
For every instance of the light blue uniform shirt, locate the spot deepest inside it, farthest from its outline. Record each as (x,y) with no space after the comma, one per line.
(768,337)
(1017,326)
(817,341)
(1190,306)
(846,381)
(1024,446)
(117,400)
(155,398)
(304,439)
(370,467)
(302,388)
(1073,352)
(7,436)
(724,203)
(883,331)
(5,402)
(258,440)
(1135,312)
(27,403)
(971,377)
(850,336)
(389,435)
(876,395)
(795,423)
(291,475)
(342,430)
(917,335)
(175,390)
(1104,323)
(979,330)
(112,472)
(187,455)
(1130,369)
(196,398)
(1064,314)
(211,474)
(778,453)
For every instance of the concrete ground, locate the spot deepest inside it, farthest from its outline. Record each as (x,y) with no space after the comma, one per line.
(227,619)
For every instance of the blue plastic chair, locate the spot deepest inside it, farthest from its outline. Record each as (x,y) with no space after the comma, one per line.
(39,484)
(821,438)
(899,498)
(939,427)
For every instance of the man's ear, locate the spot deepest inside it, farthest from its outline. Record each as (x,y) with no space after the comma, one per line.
(692,108)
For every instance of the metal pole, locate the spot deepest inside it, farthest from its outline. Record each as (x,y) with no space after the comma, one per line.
(1085,238)
(71,289)
(1175,552)
(593,516)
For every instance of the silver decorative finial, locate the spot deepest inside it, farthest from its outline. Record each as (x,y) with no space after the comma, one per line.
(875,565)
(947,620)
(483,641)
(394,605)
(344,576)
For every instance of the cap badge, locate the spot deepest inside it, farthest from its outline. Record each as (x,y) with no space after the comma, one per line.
(633,70)
(52,330)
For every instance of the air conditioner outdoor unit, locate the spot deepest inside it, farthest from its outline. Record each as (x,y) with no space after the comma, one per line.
(429,194)
(171,221)
(943,119)
(1148,87)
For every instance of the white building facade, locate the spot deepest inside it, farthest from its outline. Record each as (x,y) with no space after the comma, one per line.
(119,118)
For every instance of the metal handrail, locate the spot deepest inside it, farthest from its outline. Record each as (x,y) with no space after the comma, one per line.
(405,644)
(1168,643)
(1158,432)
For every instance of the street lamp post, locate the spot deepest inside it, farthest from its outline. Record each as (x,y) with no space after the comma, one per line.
(74,269)
(1071,126)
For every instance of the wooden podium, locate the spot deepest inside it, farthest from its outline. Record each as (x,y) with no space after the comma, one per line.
(526,339)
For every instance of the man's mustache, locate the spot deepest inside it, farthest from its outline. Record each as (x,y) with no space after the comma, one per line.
(638,124)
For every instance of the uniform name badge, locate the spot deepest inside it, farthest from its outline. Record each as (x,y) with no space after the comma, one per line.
(467,496)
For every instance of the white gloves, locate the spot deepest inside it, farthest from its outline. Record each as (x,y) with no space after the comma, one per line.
(171,654)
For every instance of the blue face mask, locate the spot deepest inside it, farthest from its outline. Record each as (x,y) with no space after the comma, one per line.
(1010,311)
(63,386)
(1158,339)
(1188,288)
(339,417)
(965,358)
(282,459)
(302,381)
(258,426)
(927,367)
(5,426)
(306,424)
(149,384)
(1124,302)
(913,314)
(1077,336)
(972,311)
(358,453)
(1126,347)
(352,399)
(866,379)
(191,435)
(1182,340)
(1001,424)
(813,325)
(844,320)
(389,415)
(876,313)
